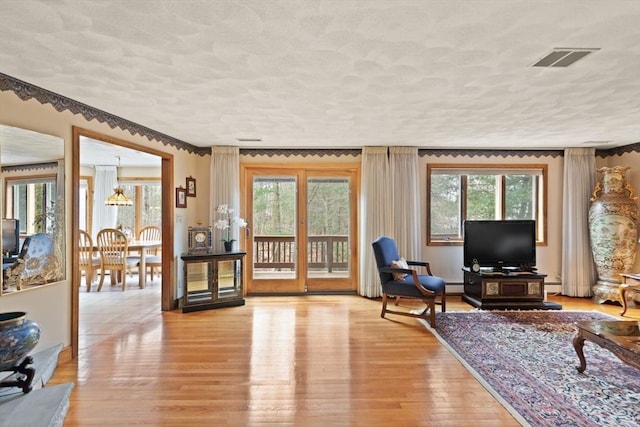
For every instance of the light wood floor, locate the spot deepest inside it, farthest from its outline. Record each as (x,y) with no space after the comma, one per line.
(301,361)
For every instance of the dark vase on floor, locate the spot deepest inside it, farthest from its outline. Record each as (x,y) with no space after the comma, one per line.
(228,246)
(18,336)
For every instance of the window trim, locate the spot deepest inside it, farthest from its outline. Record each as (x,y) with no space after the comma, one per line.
(9,206)
(502,169)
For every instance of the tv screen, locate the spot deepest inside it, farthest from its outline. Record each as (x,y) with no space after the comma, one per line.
(10,237)
(500,244)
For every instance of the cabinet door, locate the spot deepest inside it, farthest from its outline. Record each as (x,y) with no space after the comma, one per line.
(229,278)
(198,282)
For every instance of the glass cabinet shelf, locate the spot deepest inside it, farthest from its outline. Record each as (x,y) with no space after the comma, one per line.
(212,280)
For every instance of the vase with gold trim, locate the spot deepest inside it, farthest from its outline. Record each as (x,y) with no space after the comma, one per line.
(613,231)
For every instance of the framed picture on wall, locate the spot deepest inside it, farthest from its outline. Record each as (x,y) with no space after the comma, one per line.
(191,187)
(181,197)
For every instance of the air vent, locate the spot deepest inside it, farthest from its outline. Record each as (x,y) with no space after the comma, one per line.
(563,57)
(248,139)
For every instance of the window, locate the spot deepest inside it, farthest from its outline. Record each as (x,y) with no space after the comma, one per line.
(147,202)
(146,209)
(32,202)
(456,193)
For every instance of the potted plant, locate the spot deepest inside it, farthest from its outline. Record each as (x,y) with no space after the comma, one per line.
(225,221)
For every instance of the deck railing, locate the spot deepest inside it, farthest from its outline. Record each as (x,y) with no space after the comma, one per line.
(279,252)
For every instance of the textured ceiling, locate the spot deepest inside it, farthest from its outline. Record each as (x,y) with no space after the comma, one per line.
(346,73)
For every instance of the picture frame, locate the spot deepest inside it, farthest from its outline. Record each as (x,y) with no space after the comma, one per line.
(181,197)
(191,186)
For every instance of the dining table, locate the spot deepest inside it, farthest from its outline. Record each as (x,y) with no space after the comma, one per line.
(140,246)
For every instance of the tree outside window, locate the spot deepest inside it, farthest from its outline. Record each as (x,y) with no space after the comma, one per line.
(459,192)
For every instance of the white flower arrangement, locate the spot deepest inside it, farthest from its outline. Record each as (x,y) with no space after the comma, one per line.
(227,220)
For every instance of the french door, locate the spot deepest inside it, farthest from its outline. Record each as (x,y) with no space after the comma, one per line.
(302,233)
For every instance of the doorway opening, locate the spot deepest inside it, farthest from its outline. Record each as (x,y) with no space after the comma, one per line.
(80,215)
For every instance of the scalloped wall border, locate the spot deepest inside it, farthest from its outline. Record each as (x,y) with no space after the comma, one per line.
(618,151)
(26,91)
(30,167)
(320,152)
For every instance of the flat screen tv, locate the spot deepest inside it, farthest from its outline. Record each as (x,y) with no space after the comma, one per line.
(10,237)
(500,244)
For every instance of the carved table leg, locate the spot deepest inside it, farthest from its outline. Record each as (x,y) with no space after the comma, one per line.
(623,290)
(578,344)
(24,375)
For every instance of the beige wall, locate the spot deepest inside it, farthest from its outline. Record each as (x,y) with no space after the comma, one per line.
(50,305)
(446,261)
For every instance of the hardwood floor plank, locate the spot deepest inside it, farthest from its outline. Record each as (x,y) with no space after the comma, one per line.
(301,361)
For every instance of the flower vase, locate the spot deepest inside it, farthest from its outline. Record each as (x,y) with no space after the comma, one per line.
(18,336)
(613,231)
(228,246)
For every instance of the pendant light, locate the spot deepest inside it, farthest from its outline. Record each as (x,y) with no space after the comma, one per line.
(118,198)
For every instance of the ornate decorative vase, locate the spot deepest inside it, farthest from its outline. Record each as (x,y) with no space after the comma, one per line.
(613,230)
(18,336)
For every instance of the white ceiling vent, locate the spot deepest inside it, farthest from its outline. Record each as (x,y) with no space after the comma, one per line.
(563,57)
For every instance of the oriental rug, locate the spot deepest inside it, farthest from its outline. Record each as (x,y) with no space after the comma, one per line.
(526,360)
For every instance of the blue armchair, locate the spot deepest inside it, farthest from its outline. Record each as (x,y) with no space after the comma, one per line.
(401,281)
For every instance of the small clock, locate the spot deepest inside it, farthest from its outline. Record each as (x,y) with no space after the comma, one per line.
(200,239)
(475,266)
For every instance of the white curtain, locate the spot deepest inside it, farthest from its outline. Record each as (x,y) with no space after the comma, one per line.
(225,187)
(104,216)
(407,231)
(376,215)
(578,271)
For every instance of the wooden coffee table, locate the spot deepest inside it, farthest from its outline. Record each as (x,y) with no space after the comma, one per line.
(620,337)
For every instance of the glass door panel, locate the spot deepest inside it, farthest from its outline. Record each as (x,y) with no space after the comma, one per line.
(274,240)
(302,234)
(328,221)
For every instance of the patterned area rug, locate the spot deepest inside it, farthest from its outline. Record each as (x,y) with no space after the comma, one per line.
(527,361)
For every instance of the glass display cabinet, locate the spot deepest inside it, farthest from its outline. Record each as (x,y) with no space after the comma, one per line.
(212,280)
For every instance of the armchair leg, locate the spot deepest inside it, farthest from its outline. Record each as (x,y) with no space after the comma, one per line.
(384,304)
(432,313)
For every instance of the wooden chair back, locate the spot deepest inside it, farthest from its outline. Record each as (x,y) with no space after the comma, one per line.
(153,258)
(89,261)
(114,255)
(150,232)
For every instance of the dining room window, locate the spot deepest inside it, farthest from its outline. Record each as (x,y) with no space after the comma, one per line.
(147,203)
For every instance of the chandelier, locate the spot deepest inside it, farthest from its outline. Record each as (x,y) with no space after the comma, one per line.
(118,198)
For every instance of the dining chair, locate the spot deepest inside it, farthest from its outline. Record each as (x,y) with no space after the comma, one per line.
(89,260)
(114,256)
(153,259)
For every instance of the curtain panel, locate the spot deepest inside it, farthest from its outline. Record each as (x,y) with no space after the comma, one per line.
(106,180)
(376,215)
(407,230)
(578,270)
(225,187)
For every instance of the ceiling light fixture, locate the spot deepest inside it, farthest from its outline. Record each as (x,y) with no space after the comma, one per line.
(118,198)
(563,57)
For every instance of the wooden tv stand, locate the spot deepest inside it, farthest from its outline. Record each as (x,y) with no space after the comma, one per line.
(506,291)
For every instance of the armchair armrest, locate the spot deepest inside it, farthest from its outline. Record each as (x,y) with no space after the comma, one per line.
(414,275)
(421,264)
